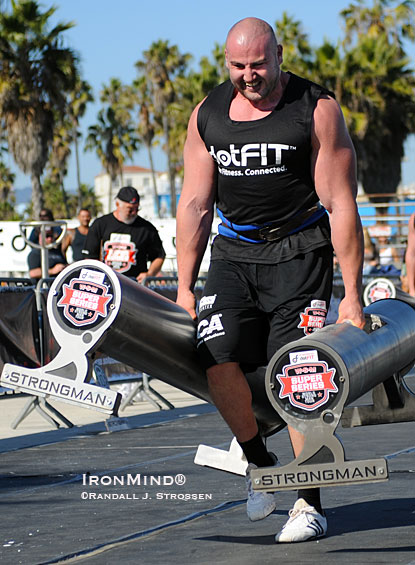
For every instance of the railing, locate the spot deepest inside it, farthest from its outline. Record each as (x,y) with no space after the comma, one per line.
(387,215)
(393,210)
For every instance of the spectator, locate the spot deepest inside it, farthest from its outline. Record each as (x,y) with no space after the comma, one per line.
(388,255)
(125,241)
(57,261)
(45,215)
(76,238)
(371,254)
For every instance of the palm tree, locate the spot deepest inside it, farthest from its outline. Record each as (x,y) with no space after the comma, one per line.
(369,74)
(78,99)
(379,89)
(113,136)
(35,73)
(162,65)
(58,161)
(396,23)
(297,50)
(7,198)
(89,200)
(146,127)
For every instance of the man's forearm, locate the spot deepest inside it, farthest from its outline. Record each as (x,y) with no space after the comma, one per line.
(347,239)
(155,267)
(191,241)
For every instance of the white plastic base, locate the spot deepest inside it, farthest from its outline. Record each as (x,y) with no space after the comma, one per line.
(232,461)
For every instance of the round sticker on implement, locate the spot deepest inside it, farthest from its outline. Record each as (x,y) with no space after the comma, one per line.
(83,302)
(378,289)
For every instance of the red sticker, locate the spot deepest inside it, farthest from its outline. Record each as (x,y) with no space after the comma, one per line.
(119,255)
(83,302)
(307,385)
(314,317)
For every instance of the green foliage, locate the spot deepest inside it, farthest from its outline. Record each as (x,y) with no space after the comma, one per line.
(43,97)
(368,72)
(7,197)
(162,72)
(35,74)
(113,137)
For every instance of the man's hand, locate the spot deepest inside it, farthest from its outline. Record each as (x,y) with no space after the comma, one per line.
(142,277)
(351,311)
(56,269)
(187,301)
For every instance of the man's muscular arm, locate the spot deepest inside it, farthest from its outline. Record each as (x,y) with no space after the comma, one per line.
(194,213)
(334,171)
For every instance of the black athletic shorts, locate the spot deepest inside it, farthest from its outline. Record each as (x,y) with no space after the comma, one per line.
(248,311)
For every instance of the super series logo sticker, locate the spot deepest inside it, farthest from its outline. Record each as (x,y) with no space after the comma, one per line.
(313,318)
(307,385)
(83,302)
(120,252)
(378,289)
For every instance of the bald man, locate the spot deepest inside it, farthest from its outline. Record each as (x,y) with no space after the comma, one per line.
(272,151)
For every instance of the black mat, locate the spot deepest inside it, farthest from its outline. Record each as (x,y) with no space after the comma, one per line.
(198,515)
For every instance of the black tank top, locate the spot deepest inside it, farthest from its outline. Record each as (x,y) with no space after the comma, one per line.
(264,168)
(78,243)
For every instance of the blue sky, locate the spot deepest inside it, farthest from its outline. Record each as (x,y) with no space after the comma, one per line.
(111,35)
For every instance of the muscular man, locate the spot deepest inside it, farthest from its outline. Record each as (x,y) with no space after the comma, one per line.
(76,238)
(272,150)
(125,241)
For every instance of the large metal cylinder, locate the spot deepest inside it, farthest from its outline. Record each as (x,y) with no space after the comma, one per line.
(340,363)
(146,331)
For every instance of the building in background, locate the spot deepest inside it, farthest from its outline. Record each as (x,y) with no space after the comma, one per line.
(142,180)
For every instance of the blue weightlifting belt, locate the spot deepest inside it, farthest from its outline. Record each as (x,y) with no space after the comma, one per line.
(271,231)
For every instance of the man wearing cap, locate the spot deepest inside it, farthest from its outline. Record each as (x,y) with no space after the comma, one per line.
(125,241)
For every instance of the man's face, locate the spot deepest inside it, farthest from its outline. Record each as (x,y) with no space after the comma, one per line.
(126,212)
(49,238)
(84,218)
(44,216)
(254,67)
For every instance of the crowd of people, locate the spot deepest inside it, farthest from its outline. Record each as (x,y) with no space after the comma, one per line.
(122,239)
(381,254)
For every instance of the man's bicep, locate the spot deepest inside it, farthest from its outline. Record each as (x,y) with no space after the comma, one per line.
(333,155)
(199,168)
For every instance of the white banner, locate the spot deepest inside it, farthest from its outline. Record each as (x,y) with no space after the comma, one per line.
(13,250)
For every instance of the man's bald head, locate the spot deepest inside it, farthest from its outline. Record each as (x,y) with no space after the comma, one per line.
(249,29)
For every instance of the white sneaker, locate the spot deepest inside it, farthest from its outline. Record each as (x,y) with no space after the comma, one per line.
(304,523)
(259,504)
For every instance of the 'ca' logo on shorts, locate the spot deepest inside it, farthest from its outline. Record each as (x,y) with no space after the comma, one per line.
(210,329)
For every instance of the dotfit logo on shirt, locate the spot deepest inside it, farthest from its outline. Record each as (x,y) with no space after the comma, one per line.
(264,154)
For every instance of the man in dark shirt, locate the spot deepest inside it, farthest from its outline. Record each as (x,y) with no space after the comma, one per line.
(125,241)
(268,148)
(56,260)
(76,238)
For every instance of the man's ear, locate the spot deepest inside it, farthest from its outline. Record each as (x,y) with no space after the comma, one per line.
(226,59)
(279,54)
